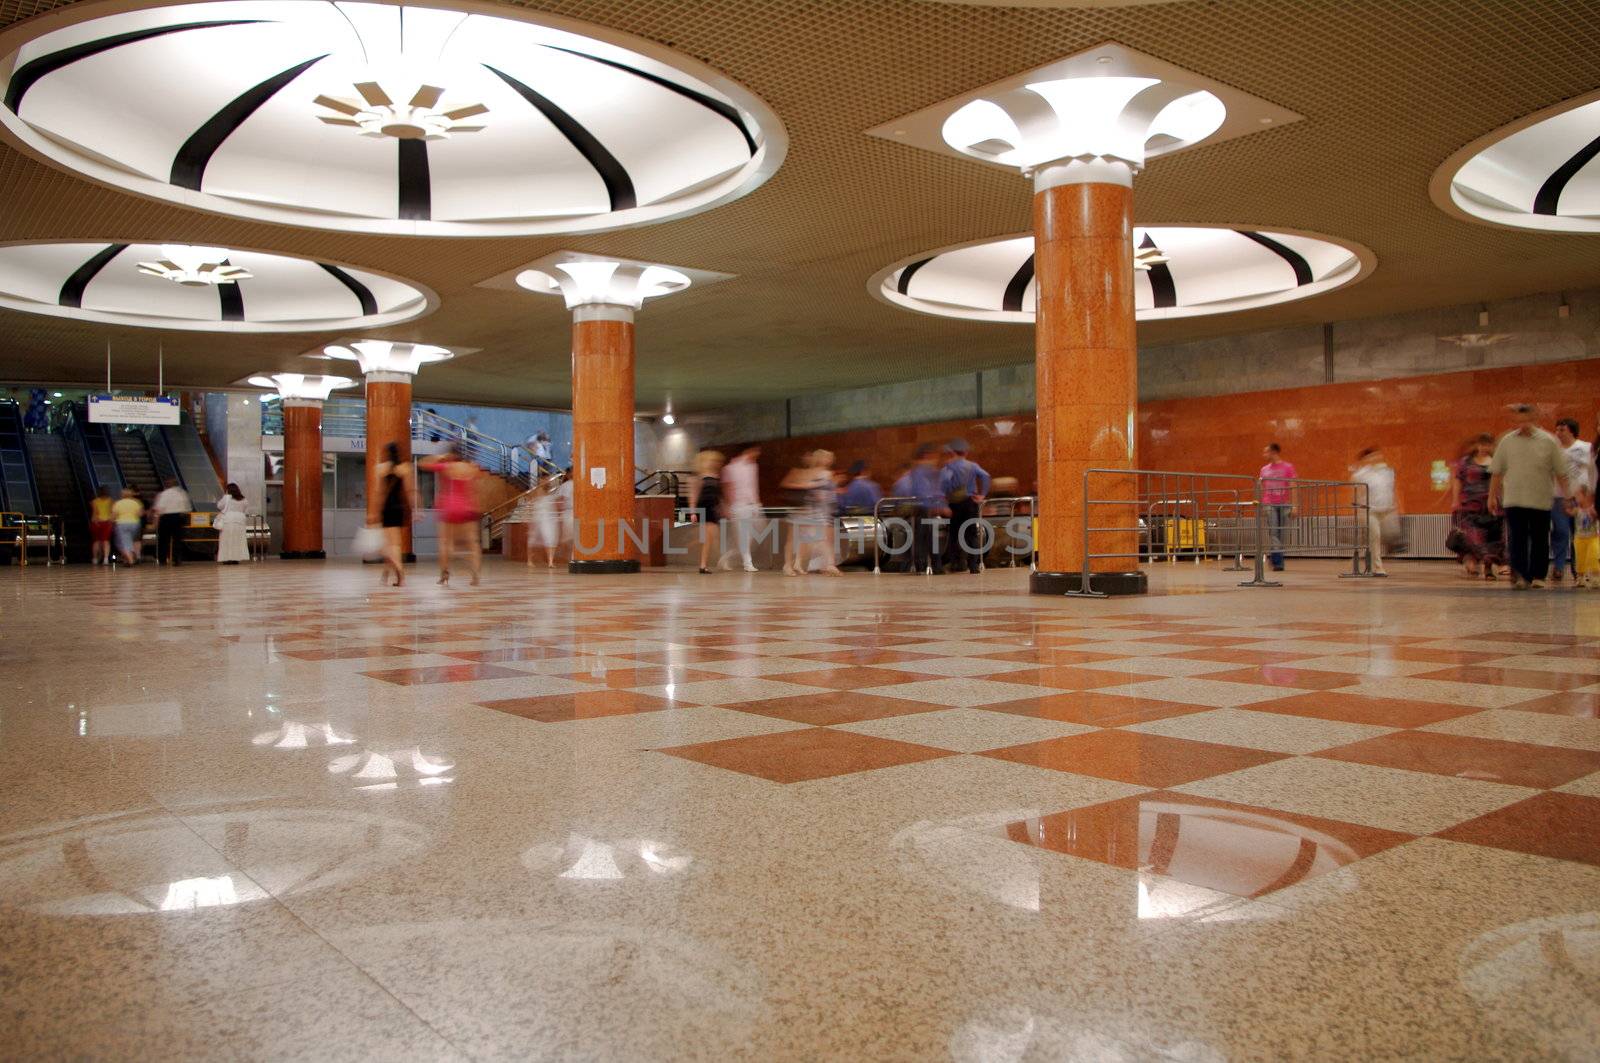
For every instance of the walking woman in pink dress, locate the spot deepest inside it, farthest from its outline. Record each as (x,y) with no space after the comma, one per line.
(456,498)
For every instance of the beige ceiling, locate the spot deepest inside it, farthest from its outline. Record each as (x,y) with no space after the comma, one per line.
(1389,89)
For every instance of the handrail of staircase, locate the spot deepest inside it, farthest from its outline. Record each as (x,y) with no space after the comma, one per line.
(346,419)
(495,516)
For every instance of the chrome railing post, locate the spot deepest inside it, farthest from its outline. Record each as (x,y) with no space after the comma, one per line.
(1260,579)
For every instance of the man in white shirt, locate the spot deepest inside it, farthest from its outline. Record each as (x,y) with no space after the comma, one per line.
(741,494)
(172,509)
(1383,517)
(1578,456)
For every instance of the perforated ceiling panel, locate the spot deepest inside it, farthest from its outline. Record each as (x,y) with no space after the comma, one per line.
(1389,90)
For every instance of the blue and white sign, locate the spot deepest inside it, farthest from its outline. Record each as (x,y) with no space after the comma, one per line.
(134,409)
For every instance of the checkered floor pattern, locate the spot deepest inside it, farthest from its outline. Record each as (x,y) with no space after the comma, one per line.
(1292,747)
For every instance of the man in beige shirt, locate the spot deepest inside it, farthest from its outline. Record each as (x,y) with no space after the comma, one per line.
(1528,466)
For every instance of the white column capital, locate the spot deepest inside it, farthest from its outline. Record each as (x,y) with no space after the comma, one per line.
(1091,171)
(388,376)
(585,280)
(602,312)
(389,357)
(301,386)
(1083,119)
(301,404)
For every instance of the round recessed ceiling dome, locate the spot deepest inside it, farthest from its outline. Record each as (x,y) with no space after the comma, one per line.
(1541,172)
(1179,271)
(383,117)
(208,289)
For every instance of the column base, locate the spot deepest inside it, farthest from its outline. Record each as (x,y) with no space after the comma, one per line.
(1115,584)
(613,566)
(303,555)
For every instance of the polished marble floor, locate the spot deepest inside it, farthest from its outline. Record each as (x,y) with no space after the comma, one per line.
(274,812)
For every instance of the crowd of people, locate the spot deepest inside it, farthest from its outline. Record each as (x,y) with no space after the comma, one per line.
(117,526)
(940,494)
(1521,504)
(1524,504)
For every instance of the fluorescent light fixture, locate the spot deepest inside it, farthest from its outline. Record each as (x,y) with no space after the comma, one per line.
(195,267)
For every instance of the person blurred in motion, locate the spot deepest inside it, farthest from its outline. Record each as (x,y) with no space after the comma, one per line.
(397,490)
(127,513)
(862,493)
(926,486)
(966,485)
(538,445)
(741,499)
(1578,456)
(544,530)
(1477,536)
(1383,519)
(1585,539)
(705,495)
(812,525)
(1527,460)
(230,523)
(901,488)
(1275,476)
(100,525)
(172,509)
(456,499)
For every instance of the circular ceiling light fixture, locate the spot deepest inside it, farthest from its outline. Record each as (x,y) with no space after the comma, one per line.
(205,289)
(364,116)
(1540,172)
(195,267)
(1179,271)
(421,118)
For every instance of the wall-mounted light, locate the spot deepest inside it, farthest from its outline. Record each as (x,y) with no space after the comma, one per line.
(1483,316)
(57,394)
(1562,309)
(668,419)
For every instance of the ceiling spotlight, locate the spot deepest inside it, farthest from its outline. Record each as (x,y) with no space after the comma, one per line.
(195,267)
(57,394)
(420,118)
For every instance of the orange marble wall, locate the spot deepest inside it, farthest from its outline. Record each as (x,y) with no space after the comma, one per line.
(1417,420)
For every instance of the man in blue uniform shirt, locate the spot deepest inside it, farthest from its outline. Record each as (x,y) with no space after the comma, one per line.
(965,485)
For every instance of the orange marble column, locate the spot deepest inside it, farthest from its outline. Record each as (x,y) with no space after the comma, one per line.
(388,421)
(302,479)
(602,439)
(1087,382)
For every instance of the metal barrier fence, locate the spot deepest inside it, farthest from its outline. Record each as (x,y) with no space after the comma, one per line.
(23,533)
(1153,514)
(893,518)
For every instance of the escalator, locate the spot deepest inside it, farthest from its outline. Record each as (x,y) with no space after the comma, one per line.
(133,459)
(89,449)
(16,483)
(180,447)
(59,491)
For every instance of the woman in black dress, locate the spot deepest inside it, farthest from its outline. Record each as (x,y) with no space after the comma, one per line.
(398,493)
(705,495)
